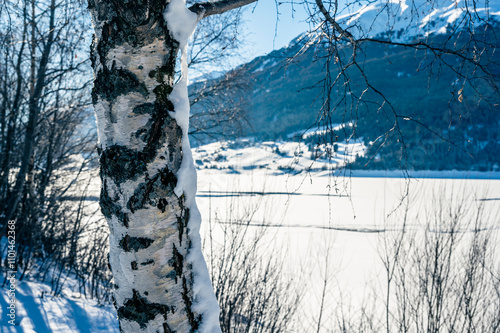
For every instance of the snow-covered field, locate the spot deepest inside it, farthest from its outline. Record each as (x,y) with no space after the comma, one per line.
(308,214)
(244,155)
(39,312)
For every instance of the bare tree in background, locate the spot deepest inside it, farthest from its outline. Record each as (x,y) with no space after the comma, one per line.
(444,276)
(40,53)
(220,107)
(253,290)
(440,271)
(219,97)
(44,88)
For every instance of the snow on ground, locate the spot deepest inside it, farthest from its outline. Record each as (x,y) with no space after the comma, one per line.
(308,214)
(39,312)
(347,217)
(279,157)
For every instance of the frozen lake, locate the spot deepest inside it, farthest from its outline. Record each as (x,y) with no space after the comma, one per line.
(308,217)
(328,231)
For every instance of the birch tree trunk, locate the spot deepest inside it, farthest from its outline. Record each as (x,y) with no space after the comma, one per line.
(147,172)
(161,283)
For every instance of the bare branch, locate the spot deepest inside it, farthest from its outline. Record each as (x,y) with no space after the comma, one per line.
(336,26)
(205,9)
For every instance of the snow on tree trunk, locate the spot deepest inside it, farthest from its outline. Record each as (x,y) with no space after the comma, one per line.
(148,177)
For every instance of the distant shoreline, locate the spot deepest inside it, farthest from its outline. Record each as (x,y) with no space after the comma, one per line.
(423,174)
(418,174)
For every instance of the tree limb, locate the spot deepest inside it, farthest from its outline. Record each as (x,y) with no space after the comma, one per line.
(336,26)
(205,9)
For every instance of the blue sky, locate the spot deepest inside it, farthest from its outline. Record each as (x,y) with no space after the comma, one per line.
(267,30)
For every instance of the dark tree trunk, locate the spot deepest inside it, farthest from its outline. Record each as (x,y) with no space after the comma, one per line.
(36,90)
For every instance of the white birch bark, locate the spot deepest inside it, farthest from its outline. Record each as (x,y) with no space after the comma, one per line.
(162,283)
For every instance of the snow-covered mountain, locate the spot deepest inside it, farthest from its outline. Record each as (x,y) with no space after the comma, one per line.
(287,90)
(406,19)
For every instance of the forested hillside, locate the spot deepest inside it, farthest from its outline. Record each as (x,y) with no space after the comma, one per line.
(427,116)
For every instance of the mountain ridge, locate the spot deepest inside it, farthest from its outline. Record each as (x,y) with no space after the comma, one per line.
(444,113)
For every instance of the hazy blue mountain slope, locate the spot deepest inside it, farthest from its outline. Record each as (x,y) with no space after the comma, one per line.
(430,100)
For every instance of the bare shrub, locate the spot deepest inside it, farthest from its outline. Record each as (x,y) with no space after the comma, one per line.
(248,275)
(441,271)
(46,140)
(441,268)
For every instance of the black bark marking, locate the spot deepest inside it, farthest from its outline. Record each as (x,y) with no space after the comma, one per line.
(149,262)
(125,220)
(140,134)
(105,43)
(171,150)
(153,191)
(135,22)
(141,196)
(171,275)
(109,206)
(194,319)
(133,264)
(121,163)
(168,178)
(160,72)
(158,127)
(167,328)
(162,204)
(109,265)
(129,244)
(177,263)
(162,91)
(111,83)
(92,52)
(141,311)
(182,219)
(145,108)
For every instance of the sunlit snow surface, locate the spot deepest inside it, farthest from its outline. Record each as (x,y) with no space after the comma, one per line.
(182,23)
(277,157)
(410,18)
(39,312)
(306,211)
(308,215)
